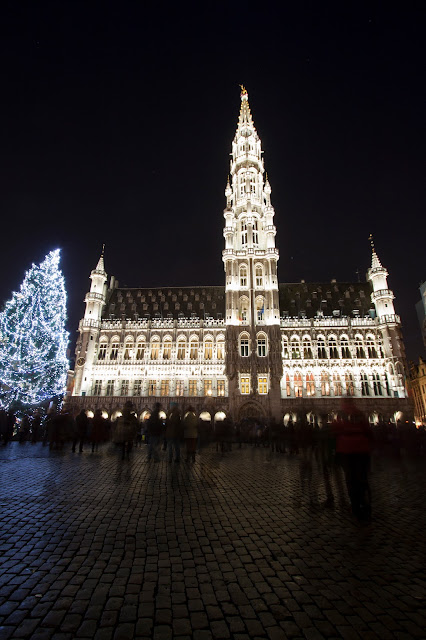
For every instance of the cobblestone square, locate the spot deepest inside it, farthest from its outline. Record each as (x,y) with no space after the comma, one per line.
(238,545)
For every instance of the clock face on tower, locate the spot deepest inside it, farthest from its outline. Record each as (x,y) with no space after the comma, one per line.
(81,362)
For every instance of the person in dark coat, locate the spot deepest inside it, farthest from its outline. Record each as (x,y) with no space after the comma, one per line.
(81,430)
(127,429)
(36,427)
(155,432)
(98,432)
(174,433)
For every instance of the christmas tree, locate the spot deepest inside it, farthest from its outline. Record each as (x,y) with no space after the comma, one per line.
(33,340)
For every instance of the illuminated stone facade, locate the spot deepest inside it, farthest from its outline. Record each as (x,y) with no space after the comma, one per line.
(251,348)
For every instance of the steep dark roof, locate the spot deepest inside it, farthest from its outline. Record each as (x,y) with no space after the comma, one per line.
(296,299)
(307,298)
(166,302)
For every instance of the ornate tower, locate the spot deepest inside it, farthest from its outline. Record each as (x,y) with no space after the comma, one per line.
(250,261)
(389,323)
(89,328)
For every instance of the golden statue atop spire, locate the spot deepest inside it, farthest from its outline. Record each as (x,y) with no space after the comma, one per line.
(243,90)
(370,237)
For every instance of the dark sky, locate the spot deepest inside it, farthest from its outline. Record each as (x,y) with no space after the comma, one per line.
(117,122)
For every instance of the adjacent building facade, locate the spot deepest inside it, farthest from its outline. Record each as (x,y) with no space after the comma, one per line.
(253,348)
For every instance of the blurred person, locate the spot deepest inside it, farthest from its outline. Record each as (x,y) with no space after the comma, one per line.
(353,444)
(81,430)
(155,432)
(173,433)
(126,429)
(190,433)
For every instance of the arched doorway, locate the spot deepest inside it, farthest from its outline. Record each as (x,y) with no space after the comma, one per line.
(251,411)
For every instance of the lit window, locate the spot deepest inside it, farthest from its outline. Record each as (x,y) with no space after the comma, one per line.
(208,350)
(287,385)
(310,384)
(285,348)
(208,387)
(124,388)
(295,348)
(259,277)
(102,351)
(220,350)
(298,385)
(167,350)
(307,349)
(263,385)
(181,350)
(98,388)
(261,347)
(194,351)
(110,388)
(244,235)
(114,351)
(244,347)
(332,345)
(137,387)
(221,387)
(140,353)
(344,345)
(325,384)
(243,276)
(349,381)
(260,309)
(152,387)
(179,387)
(192,387)
(245,385)
(321,348)
(164,390)
(255,234)
(377,385)
(337,383)
(155,350)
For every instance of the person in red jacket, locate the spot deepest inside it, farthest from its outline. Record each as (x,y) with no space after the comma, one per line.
(353,445)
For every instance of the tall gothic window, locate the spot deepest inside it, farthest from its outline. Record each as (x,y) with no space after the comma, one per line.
(164,389)
(192,388)
(244,347)
(310,384)
(377,385)
(102,351)
(97,388)
(337,383)
(245,385)
(167,350)
(140,352)
(244,233)
(259,276)
(359,347)
(365,387)
(285,348)
(208,350)
(220,349)
(344,345)
(114,351)
(298,385)
(255,233)
(260,309)
(137,387)
(152,387)
(110,388)
(243,276)
(208,388)
(371,347)
(349,381)
(262,385)
(325,384)
(124,388)
(332,345)
(193,354)
(221,387)
(307,349)
(295,348)
(261,346)
(155,350)
(287,385)
(128,350)
(179,387)
(321,348)
(181,348)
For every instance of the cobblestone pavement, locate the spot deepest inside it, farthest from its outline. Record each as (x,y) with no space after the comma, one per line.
(238,545)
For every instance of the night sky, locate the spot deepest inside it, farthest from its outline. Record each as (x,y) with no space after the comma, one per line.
(117,122)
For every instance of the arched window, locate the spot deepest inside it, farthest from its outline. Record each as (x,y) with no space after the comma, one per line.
(155,348)
(181,349)
(261,345)
(377,385)
(260,309)
(298,385)
(243,312)
(287,385)
(310,384)
(344,346)
(128,351)
(114,351)
(259,276)
(244,233)
(359,347)
(208,350)
(102,351)
(193,352)
(167,349)
(349,381)
(244,345)
(337,384)
(220,349)
(307,349)
(325,383)
(321,348)
(365,387)
(243,276)
(140,350)
(285,347)
(371,347)
(255,233)
(295,348)
(332,345)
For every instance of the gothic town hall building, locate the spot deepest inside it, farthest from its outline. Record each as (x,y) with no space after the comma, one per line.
(253,348)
